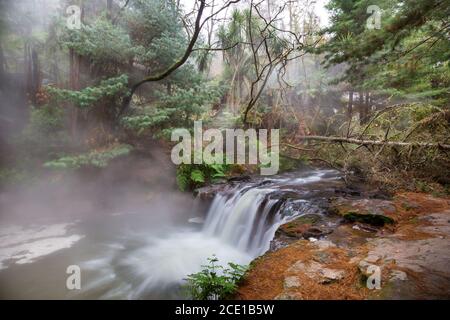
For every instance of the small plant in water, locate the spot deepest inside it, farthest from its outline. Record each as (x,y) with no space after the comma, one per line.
(214,282)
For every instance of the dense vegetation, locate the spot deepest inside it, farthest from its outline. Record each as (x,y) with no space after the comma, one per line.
(370,101)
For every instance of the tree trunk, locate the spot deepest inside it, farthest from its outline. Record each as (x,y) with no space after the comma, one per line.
(74,84)
(33,73)
(350,104)
(361,108)
(109,6)
(368,107)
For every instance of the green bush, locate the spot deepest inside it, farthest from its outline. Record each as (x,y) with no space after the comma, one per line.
(214,282)
(190,176)
(97,159)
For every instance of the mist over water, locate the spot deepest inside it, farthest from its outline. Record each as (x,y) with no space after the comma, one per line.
(147,252)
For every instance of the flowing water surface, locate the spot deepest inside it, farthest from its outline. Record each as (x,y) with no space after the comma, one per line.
(133,255)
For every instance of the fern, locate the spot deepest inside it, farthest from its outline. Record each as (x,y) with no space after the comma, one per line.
(214,282)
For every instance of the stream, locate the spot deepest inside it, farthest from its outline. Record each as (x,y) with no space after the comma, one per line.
(136,255)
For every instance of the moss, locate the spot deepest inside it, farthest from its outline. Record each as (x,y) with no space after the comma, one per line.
(296,227)
(372,219)
(308,219)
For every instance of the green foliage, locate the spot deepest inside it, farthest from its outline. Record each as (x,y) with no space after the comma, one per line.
(178,109)
(214,282)
(90,95)
(103,42)
(44,133)
(407,58)
(190,176)
(46,119)
(289,164)
(197,176)
(94,158)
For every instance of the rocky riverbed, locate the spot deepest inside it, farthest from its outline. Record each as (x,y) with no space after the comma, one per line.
(404,238)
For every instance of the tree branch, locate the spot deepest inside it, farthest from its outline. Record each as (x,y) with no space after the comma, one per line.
(377,142)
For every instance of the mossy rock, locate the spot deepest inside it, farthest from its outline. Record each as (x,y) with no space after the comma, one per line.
(296,227)
(308,219)
(284,195)
(368,218)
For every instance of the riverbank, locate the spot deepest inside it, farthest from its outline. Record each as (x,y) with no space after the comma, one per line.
(407,237)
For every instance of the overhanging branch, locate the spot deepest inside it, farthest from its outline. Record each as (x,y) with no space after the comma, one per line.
(377,142)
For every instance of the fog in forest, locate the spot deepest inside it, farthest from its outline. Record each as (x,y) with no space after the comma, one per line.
(93,91)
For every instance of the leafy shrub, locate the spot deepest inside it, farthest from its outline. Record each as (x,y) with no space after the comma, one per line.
(177,109)
(97,159)
(215,282)
(90,95)
(190,176)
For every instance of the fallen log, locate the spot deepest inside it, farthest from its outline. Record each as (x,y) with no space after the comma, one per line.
(377,142)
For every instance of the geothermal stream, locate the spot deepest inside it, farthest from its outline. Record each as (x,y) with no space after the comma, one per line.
(120,259)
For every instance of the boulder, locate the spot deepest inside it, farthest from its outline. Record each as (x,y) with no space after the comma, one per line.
(375,212)
(291,282)
(317,271)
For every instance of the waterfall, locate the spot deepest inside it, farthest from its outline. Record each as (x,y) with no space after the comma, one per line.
(239,226)
(247,217)
(242,220)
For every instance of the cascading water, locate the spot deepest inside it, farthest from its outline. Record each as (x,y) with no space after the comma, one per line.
(120,258)
(247,217)
(244,220)
(239,226)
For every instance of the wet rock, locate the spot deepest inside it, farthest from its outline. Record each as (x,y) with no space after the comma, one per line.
(316,232)
(324,244)
(374,212)
(239,178)
(430,255)
(370,260)
(365,228)
(413,257)
(209,192)
(397,275)
(297,227)
(378,220)
(322,257)
(277,243)
(287,296)
(265,182)
(331,275)
(302,208)
(284,195)
(291,282)
(317,271)
(348,192)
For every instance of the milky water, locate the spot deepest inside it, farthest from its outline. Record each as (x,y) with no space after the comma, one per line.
(132,256)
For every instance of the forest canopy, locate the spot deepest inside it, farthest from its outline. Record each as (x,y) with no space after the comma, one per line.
(366,93)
